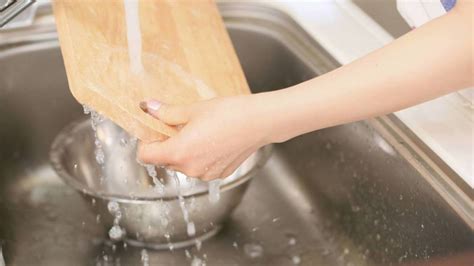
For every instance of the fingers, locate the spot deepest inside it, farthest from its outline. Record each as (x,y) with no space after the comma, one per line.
(218,171)
(163,154)
(156,153)
(169,114)
(236,163)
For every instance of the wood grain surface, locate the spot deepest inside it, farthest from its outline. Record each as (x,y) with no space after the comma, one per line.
(186,56)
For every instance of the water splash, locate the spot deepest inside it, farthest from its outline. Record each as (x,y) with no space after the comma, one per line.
(253,250)
(198,244)
(197,262)
(145,258)
(151,170)
(191,229)
(116,233)
(168,239)
(214,191)
(96,120)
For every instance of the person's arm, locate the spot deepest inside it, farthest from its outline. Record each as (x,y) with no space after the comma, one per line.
(425,63)
(218,135)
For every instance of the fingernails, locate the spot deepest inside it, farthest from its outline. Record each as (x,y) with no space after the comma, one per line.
(150,105)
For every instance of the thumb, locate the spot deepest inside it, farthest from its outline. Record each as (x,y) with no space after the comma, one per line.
(167,113)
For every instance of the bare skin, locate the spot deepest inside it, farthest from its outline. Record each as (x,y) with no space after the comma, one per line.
(217,135)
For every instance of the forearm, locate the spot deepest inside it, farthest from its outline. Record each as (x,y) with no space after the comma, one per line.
(424,64)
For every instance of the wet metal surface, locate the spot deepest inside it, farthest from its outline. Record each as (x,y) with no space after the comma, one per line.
(348,195)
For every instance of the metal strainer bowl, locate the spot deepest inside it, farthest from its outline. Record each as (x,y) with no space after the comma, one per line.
(146,211)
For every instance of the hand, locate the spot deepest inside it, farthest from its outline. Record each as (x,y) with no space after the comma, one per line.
(215,136)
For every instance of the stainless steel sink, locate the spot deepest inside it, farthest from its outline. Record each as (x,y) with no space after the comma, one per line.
(365,193)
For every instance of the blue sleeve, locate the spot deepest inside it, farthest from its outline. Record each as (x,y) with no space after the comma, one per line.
(448,4)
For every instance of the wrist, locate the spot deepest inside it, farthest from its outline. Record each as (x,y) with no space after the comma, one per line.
(270,116)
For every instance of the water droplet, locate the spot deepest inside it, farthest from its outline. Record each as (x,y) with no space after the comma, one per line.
(99,153)
(191,229)
(276,219)
(235,245)
(401,197)
(123,142)
(292,241)
(144,257)
(198,244)
(197,262)
(214,191)
(187,253)
(86,109)
(116,233)
(113,207)
(377,236)
(296,260)
(253,250)
(355,208)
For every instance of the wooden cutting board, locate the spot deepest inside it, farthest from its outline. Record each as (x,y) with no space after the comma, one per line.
(120,52)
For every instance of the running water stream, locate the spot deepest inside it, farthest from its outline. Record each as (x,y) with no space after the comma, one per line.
(116,233)
(96,119)
(190,227)
(134,38)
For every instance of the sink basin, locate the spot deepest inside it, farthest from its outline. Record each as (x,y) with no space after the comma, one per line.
(366,193)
